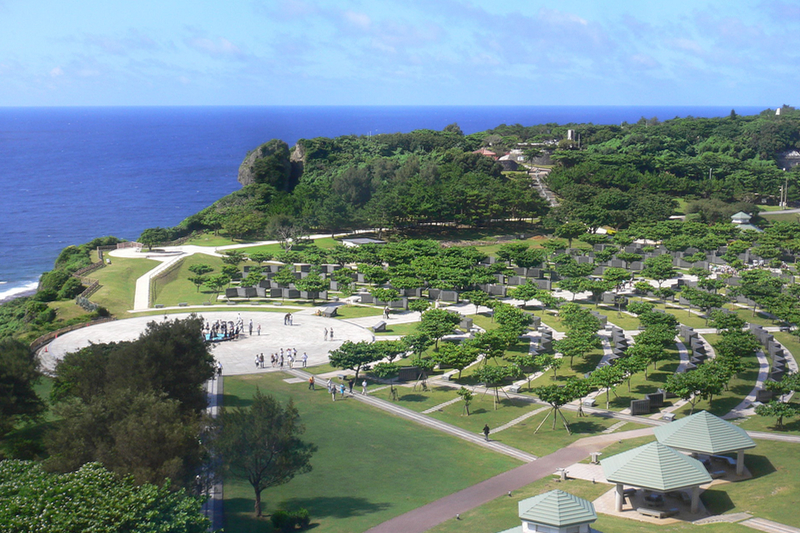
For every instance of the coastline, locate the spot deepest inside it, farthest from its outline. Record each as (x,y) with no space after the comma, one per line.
(20,291)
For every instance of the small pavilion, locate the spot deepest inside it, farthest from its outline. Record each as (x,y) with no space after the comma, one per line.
(707,434)
(742,220)
(658,468)
(555,512)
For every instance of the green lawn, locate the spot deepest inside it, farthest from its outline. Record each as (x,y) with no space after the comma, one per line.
(210,240)
(118,282)
(357,311)
(739,387)
(484,321)
(760,318)
(175,287)
(550,318)
(770,494)
(370,466)
(398,329)
(640,385)
(781,217)
(620,319)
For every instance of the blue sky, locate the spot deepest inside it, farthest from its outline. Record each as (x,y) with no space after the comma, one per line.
(409,52)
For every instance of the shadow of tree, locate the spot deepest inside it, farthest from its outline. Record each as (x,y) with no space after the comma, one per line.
(334,506)
(586,426)
(413,398)
(759,465)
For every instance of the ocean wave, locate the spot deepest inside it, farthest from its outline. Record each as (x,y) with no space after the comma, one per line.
(18,290)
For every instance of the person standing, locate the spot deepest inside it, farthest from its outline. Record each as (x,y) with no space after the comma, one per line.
(329,385)
(350,384)
(251,328)
(256,360)
(326,333)
(331,333)
(364,387)
(258,329)
(311,383)
(486,431)
(219,369)
(261,360)
(333,393)
(305,363)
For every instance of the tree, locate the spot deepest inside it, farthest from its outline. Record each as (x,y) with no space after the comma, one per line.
(312,283)
(285,229)
(284,276)
(687,386)
(18,376)
(458,356)
(758,285)
(659,268)
(420,305)
(466,396)
(548,361)
(628,258)
(493,377)
(232,257)
(198,281)
(436,323)
(570,231)
(528,291)
(557,396)
(262,443)
(216,283)
(607,377)
(576,345)
(384,295)
(704,300)
(153,236)
(354,355)
(779,410)
(92,499)
(476,298)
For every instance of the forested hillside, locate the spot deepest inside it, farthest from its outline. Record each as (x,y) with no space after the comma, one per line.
(606,175)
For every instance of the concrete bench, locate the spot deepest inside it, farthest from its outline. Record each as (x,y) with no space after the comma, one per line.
(657,513)
(716,474)
(589,402)
(159,306)
(183,304)
(380,326)
(514,388)
(328,312)
(669,417)
(206,303)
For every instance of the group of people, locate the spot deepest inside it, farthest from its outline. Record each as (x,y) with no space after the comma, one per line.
(223,330)
(279,359)
(328,333)
(334,389)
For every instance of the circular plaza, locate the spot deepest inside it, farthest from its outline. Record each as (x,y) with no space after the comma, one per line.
(306,334)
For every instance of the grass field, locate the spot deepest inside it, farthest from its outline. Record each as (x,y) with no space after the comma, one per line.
(118,282)
(175,287)
(370,466)
(211,240)
(357,311)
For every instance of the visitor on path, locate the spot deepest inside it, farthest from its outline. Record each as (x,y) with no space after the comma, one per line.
(250,328)
(291,361)
(329,385)
(386,312)
(305,363)
(364,387)
(331,333)
(261,360)
(281,363)
(326,333)
(311,383)
(333,393)
(486,431)
(219,369)
(291,319)
(256,360)
(341,390)
(258,329)
(350,384)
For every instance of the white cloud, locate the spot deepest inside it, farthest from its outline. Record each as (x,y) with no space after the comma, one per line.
(359,20)
(56,72)
(219,47)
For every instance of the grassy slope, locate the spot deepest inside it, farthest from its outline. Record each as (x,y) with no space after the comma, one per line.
(118,282)
(175,287)
(370,466)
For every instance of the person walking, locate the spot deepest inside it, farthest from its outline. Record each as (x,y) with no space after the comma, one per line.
(486,431)
(350,384)
(250,328)
(305,363)
(326,333)
(311,383)
(291,361)
(329,385)
(261,360)
(364,387)
(341,390)
(331,333)
(333,393)
(219,369)
(256,360)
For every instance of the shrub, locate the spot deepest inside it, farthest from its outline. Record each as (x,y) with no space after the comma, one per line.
(282,520)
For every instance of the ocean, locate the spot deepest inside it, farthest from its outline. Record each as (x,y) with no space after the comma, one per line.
(72,174)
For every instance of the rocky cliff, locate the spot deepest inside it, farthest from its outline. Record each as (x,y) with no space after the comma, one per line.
(273,163)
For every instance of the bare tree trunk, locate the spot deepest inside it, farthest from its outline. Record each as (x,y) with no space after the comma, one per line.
(257,508)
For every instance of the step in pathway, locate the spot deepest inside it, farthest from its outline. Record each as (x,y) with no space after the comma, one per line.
(769,526)
(520,419)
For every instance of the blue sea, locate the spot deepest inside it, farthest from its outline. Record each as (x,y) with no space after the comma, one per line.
(71,174)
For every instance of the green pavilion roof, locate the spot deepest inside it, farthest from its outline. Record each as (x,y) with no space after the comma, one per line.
(557,508)
(741,215)
(656,467)
(705,433)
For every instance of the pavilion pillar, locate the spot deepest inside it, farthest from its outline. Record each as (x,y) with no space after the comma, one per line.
(695,498)
(739,462)
(620,499)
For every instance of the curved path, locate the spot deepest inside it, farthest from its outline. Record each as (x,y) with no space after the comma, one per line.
(237,356)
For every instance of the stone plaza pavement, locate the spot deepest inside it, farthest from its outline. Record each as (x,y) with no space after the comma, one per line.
(237,356)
